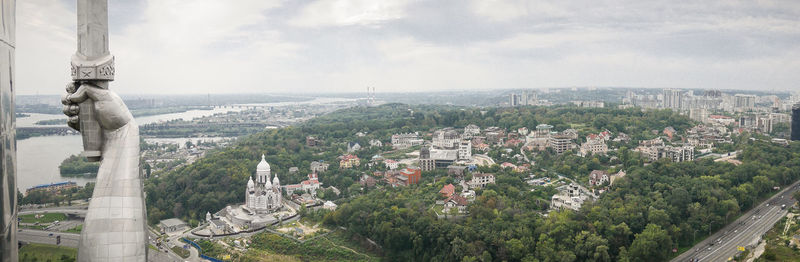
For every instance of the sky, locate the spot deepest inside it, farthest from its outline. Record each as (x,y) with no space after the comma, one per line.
(324,46)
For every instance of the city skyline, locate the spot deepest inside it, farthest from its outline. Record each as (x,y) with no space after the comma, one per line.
(338,46)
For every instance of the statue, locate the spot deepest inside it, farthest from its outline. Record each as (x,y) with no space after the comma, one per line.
(114,228)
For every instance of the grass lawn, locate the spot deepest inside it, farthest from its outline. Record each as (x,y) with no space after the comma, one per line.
(271,247)
(76,229)
(47,218)
(43,252)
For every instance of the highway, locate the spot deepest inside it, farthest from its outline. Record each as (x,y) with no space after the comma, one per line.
(81,211)
(743,232)
(44,237)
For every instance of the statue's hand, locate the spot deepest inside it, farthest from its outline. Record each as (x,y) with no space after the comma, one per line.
(109,109)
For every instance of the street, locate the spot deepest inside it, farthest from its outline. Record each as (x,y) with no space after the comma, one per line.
(44,237)
(743,232)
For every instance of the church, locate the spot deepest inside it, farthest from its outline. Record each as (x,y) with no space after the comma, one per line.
(263,196)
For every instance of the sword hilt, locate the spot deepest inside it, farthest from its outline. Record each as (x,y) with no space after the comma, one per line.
(90,132)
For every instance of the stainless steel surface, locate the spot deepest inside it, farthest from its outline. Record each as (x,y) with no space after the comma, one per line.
(8,146)
(114,228)
(92,63)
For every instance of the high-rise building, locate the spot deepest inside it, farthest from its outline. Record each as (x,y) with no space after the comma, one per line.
(8,148)
(796,122)
(744,102)
(514,100)
(673,99)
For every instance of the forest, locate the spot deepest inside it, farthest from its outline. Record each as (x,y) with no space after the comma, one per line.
(76,165)
(656,208)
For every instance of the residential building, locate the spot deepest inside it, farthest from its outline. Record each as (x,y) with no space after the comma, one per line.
(447,138)
(310,185)
(375,143)
(570,196)
(403,141)
(765,123)
(573,134)
(480,180)
(329,205)
(465,150)
(367,181)
(598,177)
(410,175)
(353,147)
(319,166)
(561,143)
(472,130)
(677,154)
(795,122)
(430,159)
(724,120)
(456,171)
(594,146)
(312,141)
(455,202)
(743,103)
(673,99)
(447,190)
(542,130)
(589,104)
(391,164)
(172,225)
(669,132)
(349,161)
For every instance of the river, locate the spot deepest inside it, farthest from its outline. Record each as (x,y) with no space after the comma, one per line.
(38,157)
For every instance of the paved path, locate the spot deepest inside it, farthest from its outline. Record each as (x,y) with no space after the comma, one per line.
(745,231)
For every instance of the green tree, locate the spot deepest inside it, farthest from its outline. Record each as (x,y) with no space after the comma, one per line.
(653,244)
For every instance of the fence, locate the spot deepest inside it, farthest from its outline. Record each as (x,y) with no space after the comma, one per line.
(200,250)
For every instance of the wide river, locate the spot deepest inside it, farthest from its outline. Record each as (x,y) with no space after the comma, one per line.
(38,157)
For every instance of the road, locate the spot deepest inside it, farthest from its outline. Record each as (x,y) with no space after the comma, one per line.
(43,237)
(72,211)
(743,232)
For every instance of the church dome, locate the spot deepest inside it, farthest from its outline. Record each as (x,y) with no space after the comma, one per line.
(263,165)
(276,181)
(250,183)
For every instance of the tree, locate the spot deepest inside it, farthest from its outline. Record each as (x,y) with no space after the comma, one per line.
(653,244)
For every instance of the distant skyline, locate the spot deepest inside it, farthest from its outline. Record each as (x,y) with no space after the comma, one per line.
(325,46)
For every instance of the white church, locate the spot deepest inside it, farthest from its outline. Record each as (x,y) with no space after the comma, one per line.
(263,196)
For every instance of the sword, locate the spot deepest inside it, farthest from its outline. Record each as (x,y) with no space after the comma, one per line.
(93,65)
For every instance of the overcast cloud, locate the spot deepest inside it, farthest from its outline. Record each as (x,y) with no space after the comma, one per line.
(266,46)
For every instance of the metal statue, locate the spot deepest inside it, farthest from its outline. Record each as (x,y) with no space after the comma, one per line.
(114,228)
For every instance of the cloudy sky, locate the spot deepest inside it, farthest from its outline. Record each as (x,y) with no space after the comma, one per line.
(266,46)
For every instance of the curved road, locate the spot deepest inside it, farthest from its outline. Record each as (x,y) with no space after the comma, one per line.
(745,231)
